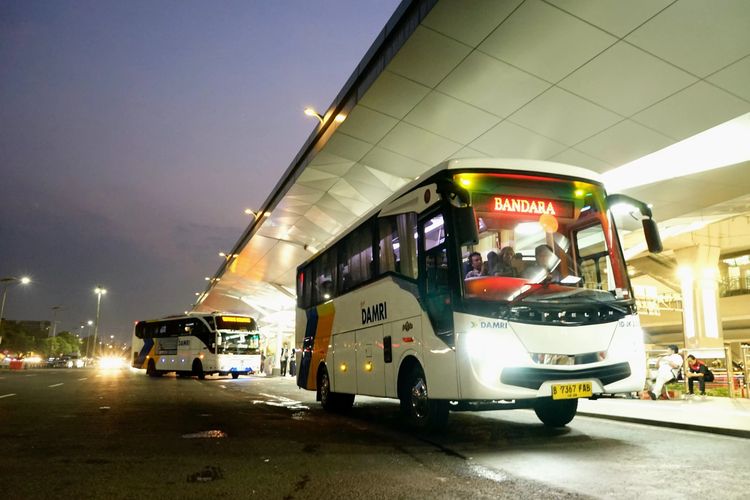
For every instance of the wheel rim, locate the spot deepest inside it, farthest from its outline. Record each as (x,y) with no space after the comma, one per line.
(419,398)
(324,388)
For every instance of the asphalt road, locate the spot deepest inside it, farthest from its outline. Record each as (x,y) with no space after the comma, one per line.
(89,434)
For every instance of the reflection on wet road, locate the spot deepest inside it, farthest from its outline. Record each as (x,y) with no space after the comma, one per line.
(130,435)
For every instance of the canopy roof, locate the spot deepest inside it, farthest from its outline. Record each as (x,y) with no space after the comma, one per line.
(600,85)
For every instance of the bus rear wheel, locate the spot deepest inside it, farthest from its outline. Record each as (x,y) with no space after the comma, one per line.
(198,370)
(151,370)
(554,413)
(235,375)
(420,411)
(332,401)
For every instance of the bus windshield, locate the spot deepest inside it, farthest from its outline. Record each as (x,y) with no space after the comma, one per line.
(542,241)
(237,342)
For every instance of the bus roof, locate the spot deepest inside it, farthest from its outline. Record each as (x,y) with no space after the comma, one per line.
(509,164)
(191,315)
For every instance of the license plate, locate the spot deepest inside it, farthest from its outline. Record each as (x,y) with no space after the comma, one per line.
(572,391)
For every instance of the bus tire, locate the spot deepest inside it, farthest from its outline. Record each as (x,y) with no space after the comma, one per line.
(235,375)
(198,369)
(420,411)
(556,413)
(151,370)
(332,401)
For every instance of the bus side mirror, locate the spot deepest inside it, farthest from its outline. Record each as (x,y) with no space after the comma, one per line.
(650,229)
(653,239)
(466,225)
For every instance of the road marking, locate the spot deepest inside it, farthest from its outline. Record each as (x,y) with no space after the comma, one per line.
(82,379)
(30,375)
(6,396)
(55,385)
(223,386)
(283,402)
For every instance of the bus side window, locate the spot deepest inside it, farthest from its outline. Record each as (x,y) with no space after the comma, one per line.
(397,246)
(355,258)
(436,257)
(304,287)
(324,267)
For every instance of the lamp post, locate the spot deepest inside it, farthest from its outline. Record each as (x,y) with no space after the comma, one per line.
(54,319)
(88,339)
(99,291)
(7,282)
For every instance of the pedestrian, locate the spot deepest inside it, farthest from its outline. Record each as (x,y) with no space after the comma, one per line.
(698,370)
(669,367)
(284,359)
(293,363)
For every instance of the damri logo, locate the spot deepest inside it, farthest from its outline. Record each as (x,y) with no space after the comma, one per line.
(377,312)
(493,324)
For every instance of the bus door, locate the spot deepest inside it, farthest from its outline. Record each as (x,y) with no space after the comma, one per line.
(370,365)
(435,282)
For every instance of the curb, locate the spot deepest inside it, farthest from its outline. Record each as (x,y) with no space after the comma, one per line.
(674,425)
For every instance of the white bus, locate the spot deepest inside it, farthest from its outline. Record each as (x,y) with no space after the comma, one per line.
(394,307)
(197,344)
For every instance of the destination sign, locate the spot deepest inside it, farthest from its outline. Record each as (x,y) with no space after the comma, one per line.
(521,205)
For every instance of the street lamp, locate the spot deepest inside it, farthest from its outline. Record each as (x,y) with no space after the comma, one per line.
(7,282)
(311,112)
(99,291)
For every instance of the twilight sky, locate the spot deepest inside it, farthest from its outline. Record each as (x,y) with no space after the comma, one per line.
(133,134)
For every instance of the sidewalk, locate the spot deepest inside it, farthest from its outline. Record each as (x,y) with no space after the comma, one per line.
(713,414)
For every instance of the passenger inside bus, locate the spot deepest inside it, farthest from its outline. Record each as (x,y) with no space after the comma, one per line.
(490,265)
(475,261)
(505,265)
(545,264)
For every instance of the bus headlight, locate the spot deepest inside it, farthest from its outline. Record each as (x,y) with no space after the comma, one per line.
(491,351)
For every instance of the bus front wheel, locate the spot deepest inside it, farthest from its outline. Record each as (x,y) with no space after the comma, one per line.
(235,375)
(556,413)
(198,369)
(151,370)
(421,411)
(332,401)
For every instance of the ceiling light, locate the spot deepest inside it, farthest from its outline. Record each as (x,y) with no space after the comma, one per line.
(720,146)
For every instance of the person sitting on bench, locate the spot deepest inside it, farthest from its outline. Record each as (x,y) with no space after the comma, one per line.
(668,369)
(698,370)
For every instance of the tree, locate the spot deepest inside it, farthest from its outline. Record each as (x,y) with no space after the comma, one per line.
(63,343)
(16,340)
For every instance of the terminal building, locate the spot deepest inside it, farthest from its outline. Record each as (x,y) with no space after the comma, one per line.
(653,95)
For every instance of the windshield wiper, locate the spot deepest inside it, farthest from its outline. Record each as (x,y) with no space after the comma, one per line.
(624,310)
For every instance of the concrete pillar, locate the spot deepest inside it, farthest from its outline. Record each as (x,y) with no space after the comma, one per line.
(699,281)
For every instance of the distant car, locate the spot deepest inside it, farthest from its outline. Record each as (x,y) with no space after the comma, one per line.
(67,361)
(75,362)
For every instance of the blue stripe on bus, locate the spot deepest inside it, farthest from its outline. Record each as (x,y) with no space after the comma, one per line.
(307,347)
(141,359)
